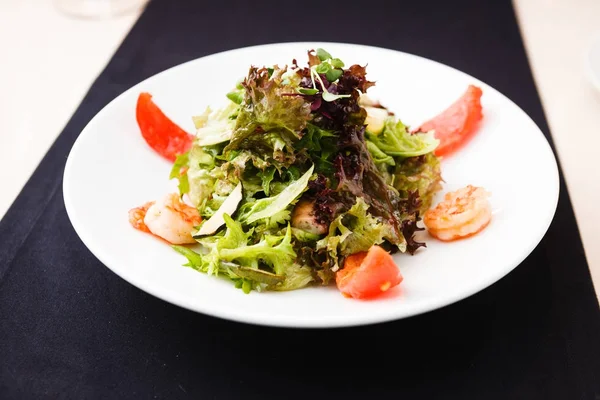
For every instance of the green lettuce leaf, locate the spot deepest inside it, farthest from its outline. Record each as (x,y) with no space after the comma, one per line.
(275,251)
(320,145)
(195,260)
(216,126)
(230,255)
(179,172)
(379,156)
(209,259)
(353,231)
(201,162)
(234,236)
(295,277)
(258,275)
(270,105)
(266,177)
(272,206)
(276,147)
(396,140)
(304,236)
(236,95)
(421,173)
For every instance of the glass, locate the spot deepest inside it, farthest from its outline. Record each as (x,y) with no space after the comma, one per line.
(97,8)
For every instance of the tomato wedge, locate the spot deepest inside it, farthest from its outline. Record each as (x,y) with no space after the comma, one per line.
(162,134)
(368,274)
(458,123)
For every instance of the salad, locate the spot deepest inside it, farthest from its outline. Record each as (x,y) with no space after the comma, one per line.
(301,179)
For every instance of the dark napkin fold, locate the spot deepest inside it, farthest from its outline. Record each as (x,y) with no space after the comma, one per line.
(70,328)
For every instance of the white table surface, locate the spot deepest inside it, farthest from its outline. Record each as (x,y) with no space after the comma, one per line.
(49,61)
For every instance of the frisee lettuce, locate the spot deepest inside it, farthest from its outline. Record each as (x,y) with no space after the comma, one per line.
(231,255)
(275,251)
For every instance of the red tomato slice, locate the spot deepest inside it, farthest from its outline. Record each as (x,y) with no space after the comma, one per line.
(368,274)
(458,123)
(162,134)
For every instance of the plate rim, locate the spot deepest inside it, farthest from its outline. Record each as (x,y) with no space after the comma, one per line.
(294,322)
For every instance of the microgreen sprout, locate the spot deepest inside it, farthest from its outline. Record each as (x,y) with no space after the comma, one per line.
(332,69)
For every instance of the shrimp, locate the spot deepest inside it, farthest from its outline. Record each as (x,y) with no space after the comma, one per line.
(462,213)
(136,216)
(168,218)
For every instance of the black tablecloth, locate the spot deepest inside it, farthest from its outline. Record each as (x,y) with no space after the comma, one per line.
(70,328)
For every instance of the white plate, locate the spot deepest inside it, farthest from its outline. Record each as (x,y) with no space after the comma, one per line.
(111,169)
